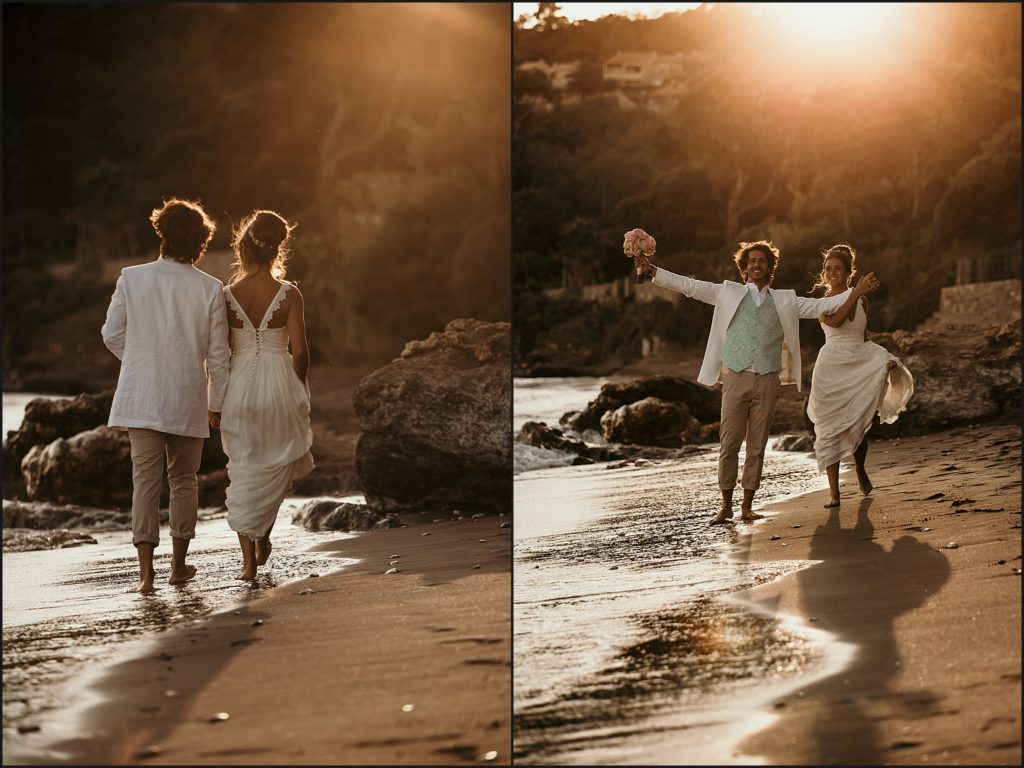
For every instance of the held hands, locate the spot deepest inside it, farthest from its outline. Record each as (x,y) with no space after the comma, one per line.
(867,284)
(214,418)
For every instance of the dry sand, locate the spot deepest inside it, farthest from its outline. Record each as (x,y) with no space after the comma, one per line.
(923,576)
(328,676)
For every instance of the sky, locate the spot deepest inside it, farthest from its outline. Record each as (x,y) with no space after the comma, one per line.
(578,11)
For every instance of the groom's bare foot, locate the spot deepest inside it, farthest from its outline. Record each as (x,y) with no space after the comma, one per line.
(723,516)
(749,515)
(146,583)
(263,548)
(864,482)
(180,577)
(248,573)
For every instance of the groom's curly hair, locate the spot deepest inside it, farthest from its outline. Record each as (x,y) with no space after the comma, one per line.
(185,229)
(742,256)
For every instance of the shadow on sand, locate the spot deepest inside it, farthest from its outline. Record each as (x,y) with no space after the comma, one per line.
(856,591)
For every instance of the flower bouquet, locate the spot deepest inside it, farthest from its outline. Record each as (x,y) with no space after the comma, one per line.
(638,242)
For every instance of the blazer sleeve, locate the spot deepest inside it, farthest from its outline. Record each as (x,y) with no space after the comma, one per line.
(811,309)
(694,289)
(218,354)
(115,325)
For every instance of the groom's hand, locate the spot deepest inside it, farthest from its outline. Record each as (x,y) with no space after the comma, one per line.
(214,418)
(644,266)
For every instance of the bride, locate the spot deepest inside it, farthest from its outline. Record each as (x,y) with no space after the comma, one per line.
(853,379)
(265,420)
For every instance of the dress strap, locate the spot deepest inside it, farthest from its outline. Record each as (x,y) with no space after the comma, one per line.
(236,307)
(278,298)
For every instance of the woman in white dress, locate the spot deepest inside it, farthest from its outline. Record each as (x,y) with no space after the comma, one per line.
(853,379)
(264,426)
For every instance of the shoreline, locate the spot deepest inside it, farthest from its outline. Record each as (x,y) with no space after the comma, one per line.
(323,676)
(935,632)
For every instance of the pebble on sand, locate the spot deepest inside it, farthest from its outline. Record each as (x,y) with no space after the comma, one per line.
(775,537)
(170,693)
(391,570)
(151,751)
(258,623)
(408,707)
(475,567)
(952,545)
(490,755)
(218,717)
(305,592)
(504,525)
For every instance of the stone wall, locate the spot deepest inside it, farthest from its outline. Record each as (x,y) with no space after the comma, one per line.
(979,304)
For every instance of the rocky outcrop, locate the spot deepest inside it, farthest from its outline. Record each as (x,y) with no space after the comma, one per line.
(663,411)
(540,435)
(93,468)
(50,420)
(436,423)
(798,443)
(326,515)
(45,421)
(27,540)
(40,515)
(961,376)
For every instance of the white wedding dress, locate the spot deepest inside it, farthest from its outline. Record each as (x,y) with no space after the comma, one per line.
(850,383)
(265,422)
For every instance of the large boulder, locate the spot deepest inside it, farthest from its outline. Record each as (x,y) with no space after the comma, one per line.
(540,435)
(93,468)
(42,515)
(47,420)
(962,376)
(652,421)
(701,403)
(436,423)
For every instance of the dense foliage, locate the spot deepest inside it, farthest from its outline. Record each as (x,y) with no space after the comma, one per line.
(910,152)
(382,131)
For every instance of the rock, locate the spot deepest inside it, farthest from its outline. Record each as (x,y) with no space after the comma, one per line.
(804,442)
(45,421)
(540,435)
(41,515)
(326,515)
(93,468)
(28,540)
(961,377)
(651,421)
(436,423)
(704,404)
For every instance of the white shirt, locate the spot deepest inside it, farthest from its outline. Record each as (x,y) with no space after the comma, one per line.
(758,295)
(168,325)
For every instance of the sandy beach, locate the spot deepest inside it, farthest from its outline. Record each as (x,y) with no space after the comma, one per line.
(366,668)
(923,577)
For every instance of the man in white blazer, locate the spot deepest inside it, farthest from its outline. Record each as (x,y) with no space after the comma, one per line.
(167,324)
(753,348)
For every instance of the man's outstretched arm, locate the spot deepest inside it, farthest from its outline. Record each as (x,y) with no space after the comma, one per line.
(694,289)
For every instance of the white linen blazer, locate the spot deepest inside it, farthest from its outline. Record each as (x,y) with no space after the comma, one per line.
(167,323)
(726,297)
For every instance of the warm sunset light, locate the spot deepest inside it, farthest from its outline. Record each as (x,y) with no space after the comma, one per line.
(839,27)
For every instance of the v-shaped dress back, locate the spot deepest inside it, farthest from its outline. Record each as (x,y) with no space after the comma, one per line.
(265,427)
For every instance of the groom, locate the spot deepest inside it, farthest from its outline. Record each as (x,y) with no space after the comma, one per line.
(754,348)
(167,324)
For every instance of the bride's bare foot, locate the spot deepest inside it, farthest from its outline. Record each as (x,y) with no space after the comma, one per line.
(833,502)
(864,482)
(248,573)
(180,577)
(263,548)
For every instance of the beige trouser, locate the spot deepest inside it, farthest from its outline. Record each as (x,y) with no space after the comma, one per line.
(748,405)
(183,454)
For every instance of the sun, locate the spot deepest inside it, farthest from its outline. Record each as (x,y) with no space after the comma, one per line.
(838,27)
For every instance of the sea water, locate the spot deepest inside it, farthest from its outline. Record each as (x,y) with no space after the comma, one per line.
(629,643)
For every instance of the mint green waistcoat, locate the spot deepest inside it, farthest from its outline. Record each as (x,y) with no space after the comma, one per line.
(754,337)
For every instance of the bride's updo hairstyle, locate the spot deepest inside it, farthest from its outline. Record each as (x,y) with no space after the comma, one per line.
(185,229)
(261,238)
(845,254)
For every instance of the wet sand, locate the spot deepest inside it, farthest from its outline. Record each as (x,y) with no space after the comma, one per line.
(936,676)
(368,668)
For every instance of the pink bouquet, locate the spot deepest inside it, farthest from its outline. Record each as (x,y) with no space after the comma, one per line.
(638,242)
